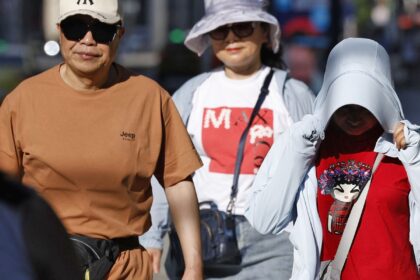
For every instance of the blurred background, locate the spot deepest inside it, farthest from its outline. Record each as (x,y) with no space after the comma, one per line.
(153,43)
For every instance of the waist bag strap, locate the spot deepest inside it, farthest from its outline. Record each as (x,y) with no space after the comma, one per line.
(105,252)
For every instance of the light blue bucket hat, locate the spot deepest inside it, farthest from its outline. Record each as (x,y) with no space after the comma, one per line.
(222,12)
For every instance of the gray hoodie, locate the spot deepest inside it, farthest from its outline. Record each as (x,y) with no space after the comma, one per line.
(358,72)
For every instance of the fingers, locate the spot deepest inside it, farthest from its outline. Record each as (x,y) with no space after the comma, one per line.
(399,138)
(156,263)
(155,256)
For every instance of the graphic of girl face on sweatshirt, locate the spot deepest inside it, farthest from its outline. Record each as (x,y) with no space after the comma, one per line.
(343,181)
(346,192)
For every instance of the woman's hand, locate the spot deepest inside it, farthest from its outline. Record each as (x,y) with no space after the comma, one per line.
(399,138)
(155,256)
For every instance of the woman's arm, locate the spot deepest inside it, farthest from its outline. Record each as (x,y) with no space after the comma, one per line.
(270,207)
(298,99)
(407,148)
(152,240)
(407,141)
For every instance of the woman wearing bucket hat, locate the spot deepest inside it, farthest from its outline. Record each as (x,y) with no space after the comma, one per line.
(352,179)
(216,109)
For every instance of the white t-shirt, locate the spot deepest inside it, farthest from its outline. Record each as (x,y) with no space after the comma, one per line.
(221,110)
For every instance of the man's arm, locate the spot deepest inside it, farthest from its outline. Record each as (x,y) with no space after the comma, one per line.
(10,154)
(183,205)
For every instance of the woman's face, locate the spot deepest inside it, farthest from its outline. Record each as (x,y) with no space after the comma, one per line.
(241,56)
(354,120)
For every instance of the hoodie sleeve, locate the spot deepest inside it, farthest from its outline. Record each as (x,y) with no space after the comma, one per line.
(298,99)
(153,238)
(410,158)
(270,207)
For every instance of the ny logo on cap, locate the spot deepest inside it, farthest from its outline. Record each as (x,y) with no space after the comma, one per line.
(84,2)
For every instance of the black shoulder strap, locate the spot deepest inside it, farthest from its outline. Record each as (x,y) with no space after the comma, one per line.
(240,154)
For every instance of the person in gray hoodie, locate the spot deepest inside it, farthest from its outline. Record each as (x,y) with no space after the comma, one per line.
(327,174)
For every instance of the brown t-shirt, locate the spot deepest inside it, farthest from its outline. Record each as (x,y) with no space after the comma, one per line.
(91,154)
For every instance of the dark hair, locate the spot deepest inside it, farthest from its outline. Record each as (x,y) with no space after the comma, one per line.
(268,57)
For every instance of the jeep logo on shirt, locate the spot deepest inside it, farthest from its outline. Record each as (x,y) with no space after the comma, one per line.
(127,136)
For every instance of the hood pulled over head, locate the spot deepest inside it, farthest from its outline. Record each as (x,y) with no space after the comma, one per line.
(358,72)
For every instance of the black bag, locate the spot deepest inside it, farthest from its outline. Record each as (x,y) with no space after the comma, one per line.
(220,252)
(218,237)
(97,256)
(217,228)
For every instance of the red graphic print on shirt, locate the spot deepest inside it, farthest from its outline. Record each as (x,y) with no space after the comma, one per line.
(221,131)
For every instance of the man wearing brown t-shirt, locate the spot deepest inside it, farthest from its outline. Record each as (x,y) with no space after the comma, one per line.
(88,136)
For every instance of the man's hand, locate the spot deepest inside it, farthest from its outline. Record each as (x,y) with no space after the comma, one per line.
(399,138)
(155,257)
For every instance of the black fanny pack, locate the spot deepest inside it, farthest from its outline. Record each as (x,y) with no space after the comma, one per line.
(97,256)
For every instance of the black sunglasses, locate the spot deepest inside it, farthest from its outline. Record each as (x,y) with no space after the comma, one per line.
(240,29)
(75,29)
